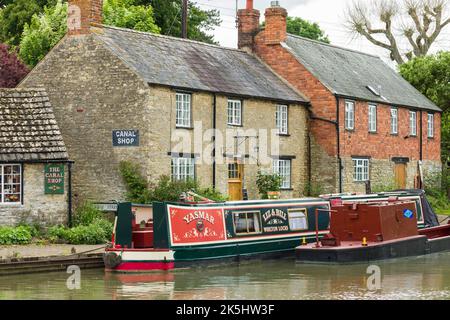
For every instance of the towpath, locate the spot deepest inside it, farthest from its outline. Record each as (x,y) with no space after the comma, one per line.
(51,250)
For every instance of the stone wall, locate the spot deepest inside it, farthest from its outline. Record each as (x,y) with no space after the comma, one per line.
(37,206)
(94,93)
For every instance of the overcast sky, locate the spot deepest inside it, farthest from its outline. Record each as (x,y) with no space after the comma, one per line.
(329,14)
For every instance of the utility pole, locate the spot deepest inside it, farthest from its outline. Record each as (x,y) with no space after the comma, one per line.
(184,19)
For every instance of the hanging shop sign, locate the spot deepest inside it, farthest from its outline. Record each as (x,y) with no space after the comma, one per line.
(54,178)
(125,138)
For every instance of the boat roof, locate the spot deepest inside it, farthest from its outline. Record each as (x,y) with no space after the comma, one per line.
(252,202)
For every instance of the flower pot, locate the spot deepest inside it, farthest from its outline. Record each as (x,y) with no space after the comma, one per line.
(273,195)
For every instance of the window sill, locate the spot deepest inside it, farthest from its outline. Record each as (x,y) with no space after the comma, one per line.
(283,134)
(394,134)
(235,125)
(184,128)
(373,132)
(11,205)
(430,138)
(361,182)
(287,189)
(350,130)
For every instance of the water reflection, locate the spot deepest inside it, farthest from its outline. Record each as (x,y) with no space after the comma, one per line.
(425,277)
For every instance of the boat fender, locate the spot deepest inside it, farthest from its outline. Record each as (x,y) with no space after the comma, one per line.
(112,260)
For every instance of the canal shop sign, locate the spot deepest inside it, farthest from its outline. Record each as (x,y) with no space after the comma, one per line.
(275,220)
(54,179)
(189,225)
(125,138)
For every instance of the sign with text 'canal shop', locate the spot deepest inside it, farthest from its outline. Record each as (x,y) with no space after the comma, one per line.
(125,138)
(196,224)
(54,179)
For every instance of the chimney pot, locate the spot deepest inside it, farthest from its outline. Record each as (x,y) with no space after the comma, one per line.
(248,25)
(275,4)
(249,4)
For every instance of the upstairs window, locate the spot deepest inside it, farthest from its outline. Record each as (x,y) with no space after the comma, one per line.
(282,119)
(184,110)
(372,118)
(413,123)
(10,183)
(349,115)
(183,169)
(430,125)
(235,112)
(282,167)
(394,121)
(360,170)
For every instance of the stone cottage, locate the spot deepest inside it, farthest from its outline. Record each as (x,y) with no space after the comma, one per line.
(368,124)
(175,107)
(34,166)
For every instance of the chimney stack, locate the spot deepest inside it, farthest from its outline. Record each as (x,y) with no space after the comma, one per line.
(276,24)
(83,13)
(248,25)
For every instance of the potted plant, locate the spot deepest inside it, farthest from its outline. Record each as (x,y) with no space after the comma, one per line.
(269,185)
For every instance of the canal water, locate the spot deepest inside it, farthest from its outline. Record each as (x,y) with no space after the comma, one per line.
(426,277)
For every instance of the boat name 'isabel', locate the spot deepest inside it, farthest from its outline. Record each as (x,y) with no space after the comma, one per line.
(196,215)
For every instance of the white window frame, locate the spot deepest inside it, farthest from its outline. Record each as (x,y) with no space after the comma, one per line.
(430,125)
(234,111)
(183,168)
(372,118)
(361,169)
(281,118)
(349,115)
(283,167)
(256,222)
(3,183)
(413,123)
(294,214)
(394,121)
(183,110)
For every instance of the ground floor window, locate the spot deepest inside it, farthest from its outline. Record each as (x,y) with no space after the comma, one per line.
(10,183)
(360,169)
(282,167)
(183,169)
(247,222)
(298,220)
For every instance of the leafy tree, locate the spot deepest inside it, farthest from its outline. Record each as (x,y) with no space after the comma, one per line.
(168,18)
(43,33)
(15,14)
(431,76)
(126,14)
(304,28)
(388,23)
(12,70)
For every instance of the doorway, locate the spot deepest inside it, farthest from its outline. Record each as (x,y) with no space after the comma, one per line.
(400,175)
(235,181)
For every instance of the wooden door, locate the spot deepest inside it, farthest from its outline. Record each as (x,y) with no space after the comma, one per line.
(400,175)
(235,178)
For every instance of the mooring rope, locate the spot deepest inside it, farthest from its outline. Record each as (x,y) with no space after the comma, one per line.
(440,222)
(84,252)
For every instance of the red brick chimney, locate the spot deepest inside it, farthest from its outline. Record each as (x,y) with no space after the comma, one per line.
(276,25)
(248,20)
(82,13)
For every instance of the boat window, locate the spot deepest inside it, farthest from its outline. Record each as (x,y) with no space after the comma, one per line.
(247,222)
(298,219)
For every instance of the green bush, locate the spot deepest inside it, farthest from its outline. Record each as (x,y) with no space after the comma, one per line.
(86,214)
(137,186)
(268,182)
(377,188)
(17,235)
(436,186)
(98,232)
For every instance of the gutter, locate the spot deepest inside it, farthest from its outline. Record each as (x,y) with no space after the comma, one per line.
(214,140)
(338,138)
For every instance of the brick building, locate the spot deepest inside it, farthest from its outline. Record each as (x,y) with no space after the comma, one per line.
(367,122)
(34,166)
(122,95)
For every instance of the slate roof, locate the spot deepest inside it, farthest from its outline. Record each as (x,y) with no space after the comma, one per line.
(28,129)
(194,65)
(348,73)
